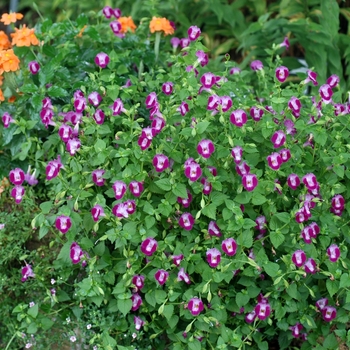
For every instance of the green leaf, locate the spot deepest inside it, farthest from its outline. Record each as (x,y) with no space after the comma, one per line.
(32,328)
(332,287)
(276,238)
(258,199)
(180,190)
(226,214)
(202,126)
(164,184)
(109,277)
(55,91)
(344,281)
(242,299)
(210,211)
(168,311)
(46,207)
(172,322)
(292,291)
(245,239)
(243,197)
(100,146)
(46,323)
(33,311)
(331,342)
(29,88)
(271,268)
(124,305)
(150,298)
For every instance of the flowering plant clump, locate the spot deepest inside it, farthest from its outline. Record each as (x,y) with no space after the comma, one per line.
(186,207)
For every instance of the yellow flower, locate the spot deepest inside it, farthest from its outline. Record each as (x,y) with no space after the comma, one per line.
(161,24)
(7,18)
(127,23)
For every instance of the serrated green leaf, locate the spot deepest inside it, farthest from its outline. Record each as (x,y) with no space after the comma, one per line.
(33,311)
(332,287)
(210,211)
(276,238)
(164,184)
(180,190)
(271,268)
(124,306)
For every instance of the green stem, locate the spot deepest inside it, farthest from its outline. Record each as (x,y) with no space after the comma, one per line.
(156,45)
(9,343)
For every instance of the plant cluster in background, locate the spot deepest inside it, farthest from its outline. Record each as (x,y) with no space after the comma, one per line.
(179,203)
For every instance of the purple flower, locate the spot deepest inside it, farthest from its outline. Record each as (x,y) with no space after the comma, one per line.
(107,11)
(333,81)
(118,107)
(311,77)
(97,177)
(161,276)
(130,206)
(195,306)
(213,229)
(208,80)
(138,322)
(193,171)
(79,104)
(53,167)
(290,130)
(310,181)
(213,102)
(321,303)
(34,67)
(299,258)
(249,318)
(193,33)
(158,124)
(235,70)
(263,310)
(261,223)
(296,330)
(27,272)
(256,65)
(144,142)
(119,188)
(116,13)
(190,68)
(102,59)
(97,212)
(207,186)
(95,98)
(136,301)
(149,246)
(326,93)
(7,119)
(338,202)
(183,108)
(65,132)
(310,266)
(136,188)
(177,259)
(295,106)
(151,100)
(160,162)
(115,26)
(229,246)
(175,42)
(333,252)
(185,202)
(256,113)
(285,154)
(307,234)
(237,153)
(120,210)
(226,103)
(73,145)
(274,161)
(63,223)
(184,42)
(238,117)
(183,276)
(205,148)
(202,58)
(17,193)
(329,313)
(213,257)
(186,221)
(138,281)
(168,87)
(278,139)
(282,73)
(285,43)
(30,178)
(249,181)
(17,176)
(75,253)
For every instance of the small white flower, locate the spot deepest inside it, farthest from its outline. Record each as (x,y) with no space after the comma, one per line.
(2,226)
(68,319)
(53,281)
(73,339)
(88,326)
(134,335)
(28,345)
(31,304)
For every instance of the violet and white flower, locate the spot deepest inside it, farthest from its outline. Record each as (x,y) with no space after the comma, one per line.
(97,212)
(282,73)
(321,303)
(190,68)
(167,88)
(138,281)
(293,181)
(185,202)
(261,223)
(63,223)
(160,162)
(249,181)
(329,313)
(7,119)
(183,276)
(226,103)
(193,33)
(238,117)
(184,42)
(102,59)
(326,93)
(310,266)
(338,202)
(175,42)
(186,221)
(149,246)
(205,148)
(53,167)
(256,113)
(136,188)
(158,124)
(213,102)
(75,253)
(285,154)
(27,272)
(97,177)
(285,43)
(263,310)
(294,105)
(311,77)
(120,210)
(144,142)
(118,107)
(256,65)
(274,161)
(296,329)
(119,188)
(242,169)
(73,146)
(310,181)
(65,132)
(333,81)
(213,257)
(207,186)
(17,176)
(130,206)
(333,252)
(237,153)
(250,317)
(195,306)
(183,108)
(177,259)
(107,11)
(115,26)
(151,100)
(34,67)
(95,98)
(213,229)
(208,80)
(161,276)
(136,301)
(193,171)
(229,246)
(46,116)
(299,258)
(278,139)
(139,322)
(202,58)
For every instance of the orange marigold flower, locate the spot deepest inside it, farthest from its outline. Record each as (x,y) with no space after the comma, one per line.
(2,98)
(24,37)
(8,61)
(4,41)
(161,24)
(127,23)
(8,18)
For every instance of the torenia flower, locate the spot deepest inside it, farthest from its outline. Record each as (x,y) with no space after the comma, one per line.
(118,107)
(177,259)
(296,329)
(208,80)
(237,153)
(333,81)
(116,27)
(161,24)
(102,59)
(183,276)
(30,177)
(193,171)
(75,253)
(256,65)
(17,176)
(183,108)
(119,188)
(213,102)
(138,281)
(34,67)
(338,202)
(213,229)
(73,145)
(321,303)
(238,117)
(278,139)
(249,318)
(160,162)
(213,257)
(151,100)
(263,310)
(229,246)
(329,313)
(207,186)
(226,103)
(7,119)
(333,252)
(282,73)
(195,306)
(63,223)
(205,148)
(193,33)
(326,93)
(94,98)
(186,221)
(175,42)
(311,77)
(97,212)
(120,210)
(149,246)
(97,177)
(136,188)
(249,181)
(285,154)
(274,161)
(107,11)
(168,87)
(127,23)
(136,301)
(299,258)
(185,202)
(27,272)
(65,132)
(161,276)
(310,181)
(256,113)
(242,169)
(202,58)
(285,43)
(53,168)
(235,70)
(139,322)
(294,105)
(310,266)
(17,193)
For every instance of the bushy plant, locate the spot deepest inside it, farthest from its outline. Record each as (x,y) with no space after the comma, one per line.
(188,208)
